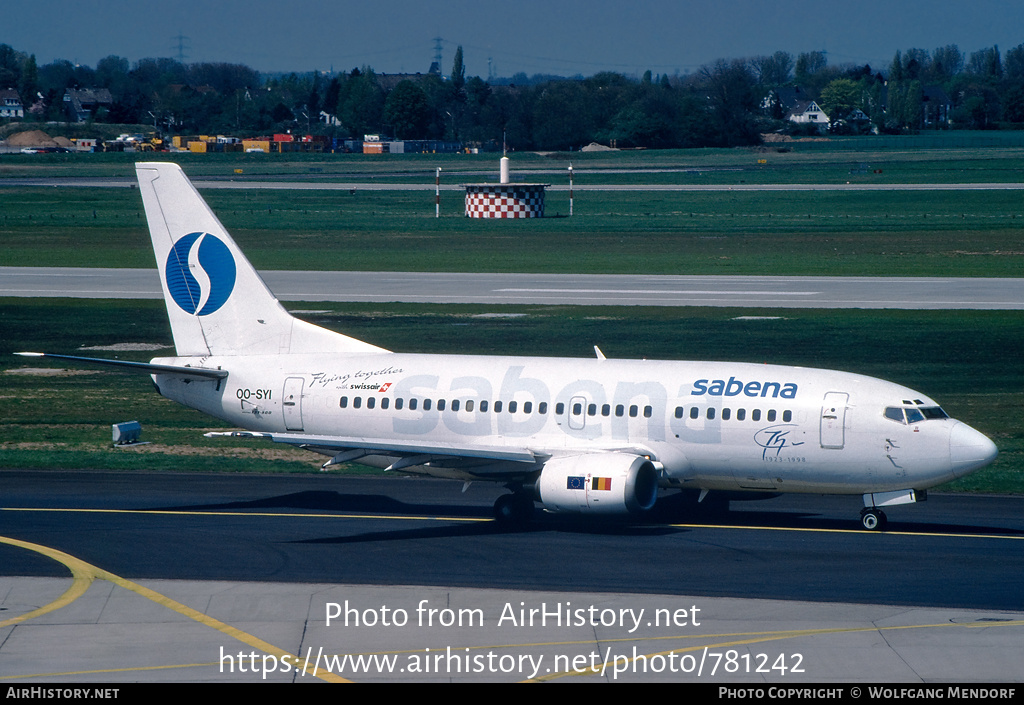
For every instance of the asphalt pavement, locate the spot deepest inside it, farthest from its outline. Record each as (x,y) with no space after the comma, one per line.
(558,289)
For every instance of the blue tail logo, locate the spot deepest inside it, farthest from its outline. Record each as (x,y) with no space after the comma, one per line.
(200,273)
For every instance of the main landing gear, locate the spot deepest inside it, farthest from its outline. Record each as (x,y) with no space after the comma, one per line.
(873,518)
(513,509)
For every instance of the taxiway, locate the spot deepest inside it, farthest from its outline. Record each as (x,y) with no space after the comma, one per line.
(157,577)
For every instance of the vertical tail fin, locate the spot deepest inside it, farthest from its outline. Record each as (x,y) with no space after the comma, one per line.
(217,303)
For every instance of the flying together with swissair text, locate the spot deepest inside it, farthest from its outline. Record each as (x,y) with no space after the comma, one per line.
(586,436)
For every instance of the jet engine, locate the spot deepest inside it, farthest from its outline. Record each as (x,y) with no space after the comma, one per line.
(598,483)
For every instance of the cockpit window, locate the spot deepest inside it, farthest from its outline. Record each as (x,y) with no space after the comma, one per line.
(894,413)
(914,414)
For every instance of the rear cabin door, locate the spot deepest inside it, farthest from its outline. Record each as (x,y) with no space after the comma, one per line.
(292,403)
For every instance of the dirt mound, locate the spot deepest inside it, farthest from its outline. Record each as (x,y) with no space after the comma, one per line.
(32,138)
(776,137)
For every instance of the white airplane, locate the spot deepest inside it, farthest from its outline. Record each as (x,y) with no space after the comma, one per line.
(583,436)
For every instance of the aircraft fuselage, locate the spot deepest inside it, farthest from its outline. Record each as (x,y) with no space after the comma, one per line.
(710,425)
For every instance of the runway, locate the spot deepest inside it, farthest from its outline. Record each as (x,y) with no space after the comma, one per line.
(553,289)
(176,570)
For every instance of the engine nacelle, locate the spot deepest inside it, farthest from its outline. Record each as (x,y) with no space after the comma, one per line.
(598,483)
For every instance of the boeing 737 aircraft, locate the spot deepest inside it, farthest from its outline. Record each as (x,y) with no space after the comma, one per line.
(581,436)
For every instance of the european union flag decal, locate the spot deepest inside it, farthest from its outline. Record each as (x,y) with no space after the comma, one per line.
(575,483)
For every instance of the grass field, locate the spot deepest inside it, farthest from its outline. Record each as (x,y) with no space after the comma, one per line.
(960,233)
(969,361)
(967,233)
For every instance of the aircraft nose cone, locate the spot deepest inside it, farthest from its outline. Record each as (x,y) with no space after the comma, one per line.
(969,450)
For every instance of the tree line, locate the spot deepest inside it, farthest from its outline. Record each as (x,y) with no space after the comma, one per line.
(725,103)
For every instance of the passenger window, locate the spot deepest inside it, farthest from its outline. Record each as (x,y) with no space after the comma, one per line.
(542,408)
(527,407)
(620,410)
(606,410)
(648,412)
(592,410)
(385,403)
(412,404)
(741,414)
(497,407)
(370,402)
(483,405)
(469,405)
(512,406)
(711,412)
(726,414)
(679,412)
(633,411)
(771,414)
(577,409)
(455,404)
(694,412)
(357,402)
(427,403)
(787,416)
(559,408)
(755,415)
(399,403)
(344,402)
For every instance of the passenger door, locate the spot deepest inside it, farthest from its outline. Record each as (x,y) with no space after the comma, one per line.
(833,420)
(292,403)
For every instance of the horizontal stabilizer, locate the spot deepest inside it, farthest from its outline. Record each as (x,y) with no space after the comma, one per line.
(145,367)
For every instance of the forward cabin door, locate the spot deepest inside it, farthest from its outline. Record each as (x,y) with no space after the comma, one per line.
(833,420)
(292,403)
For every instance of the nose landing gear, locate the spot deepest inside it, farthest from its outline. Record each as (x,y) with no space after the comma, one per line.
(873,519)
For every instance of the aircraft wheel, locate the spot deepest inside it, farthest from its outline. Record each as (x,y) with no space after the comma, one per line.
(513,509)
(873,519)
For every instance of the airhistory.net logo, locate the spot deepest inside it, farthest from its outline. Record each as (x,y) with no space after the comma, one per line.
(200,273)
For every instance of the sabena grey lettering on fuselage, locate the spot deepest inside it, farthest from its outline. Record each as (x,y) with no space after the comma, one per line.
(518,384)
(735,387)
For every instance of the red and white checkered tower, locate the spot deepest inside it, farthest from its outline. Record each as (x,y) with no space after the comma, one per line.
(505,199)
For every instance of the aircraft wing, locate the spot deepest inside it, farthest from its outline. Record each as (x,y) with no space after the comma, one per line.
(483,460)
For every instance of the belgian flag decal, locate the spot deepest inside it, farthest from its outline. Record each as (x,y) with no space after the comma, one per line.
(601,483)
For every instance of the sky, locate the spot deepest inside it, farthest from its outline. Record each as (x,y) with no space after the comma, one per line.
(562,37)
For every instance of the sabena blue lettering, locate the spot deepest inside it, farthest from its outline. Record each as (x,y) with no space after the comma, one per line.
(735,387)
